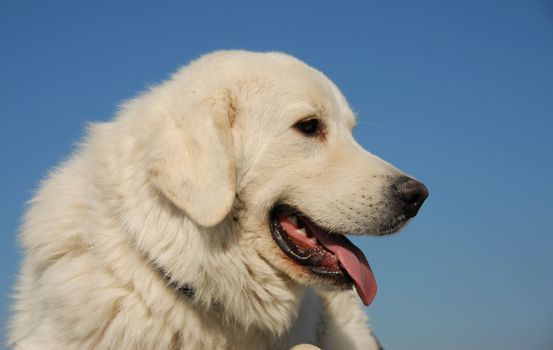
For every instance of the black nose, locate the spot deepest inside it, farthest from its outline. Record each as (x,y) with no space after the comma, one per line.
(412,194)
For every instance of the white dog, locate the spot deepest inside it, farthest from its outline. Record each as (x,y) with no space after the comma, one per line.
(210,214)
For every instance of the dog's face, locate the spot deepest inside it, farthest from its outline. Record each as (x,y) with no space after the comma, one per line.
(277,153)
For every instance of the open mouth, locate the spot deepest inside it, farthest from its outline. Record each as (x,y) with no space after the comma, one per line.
(328,255)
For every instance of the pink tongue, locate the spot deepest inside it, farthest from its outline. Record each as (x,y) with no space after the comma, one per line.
(353,261)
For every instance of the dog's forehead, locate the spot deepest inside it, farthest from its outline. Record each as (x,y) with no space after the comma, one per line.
(308,87)
(291,81)
(325,100)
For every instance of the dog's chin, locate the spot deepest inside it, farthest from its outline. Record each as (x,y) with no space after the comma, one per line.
(316,256)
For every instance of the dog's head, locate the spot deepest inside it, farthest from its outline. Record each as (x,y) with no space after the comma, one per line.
(267,140)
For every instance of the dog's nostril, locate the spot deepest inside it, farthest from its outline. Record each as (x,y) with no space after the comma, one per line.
(412,193)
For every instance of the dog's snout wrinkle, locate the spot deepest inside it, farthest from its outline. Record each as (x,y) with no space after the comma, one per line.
(412,193)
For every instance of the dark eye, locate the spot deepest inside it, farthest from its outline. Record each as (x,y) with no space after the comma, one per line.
(309,127)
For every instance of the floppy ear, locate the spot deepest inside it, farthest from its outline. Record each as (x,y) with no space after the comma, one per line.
(193,161)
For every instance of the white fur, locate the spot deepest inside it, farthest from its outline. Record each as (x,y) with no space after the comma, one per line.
(183,179)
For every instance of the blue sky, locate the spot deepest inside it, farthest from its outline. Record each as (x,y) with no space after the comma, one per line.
(457,93)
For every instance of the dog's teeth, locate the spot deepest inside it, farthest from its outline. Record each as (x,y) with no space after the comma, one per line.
(301,231)
(293,219)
